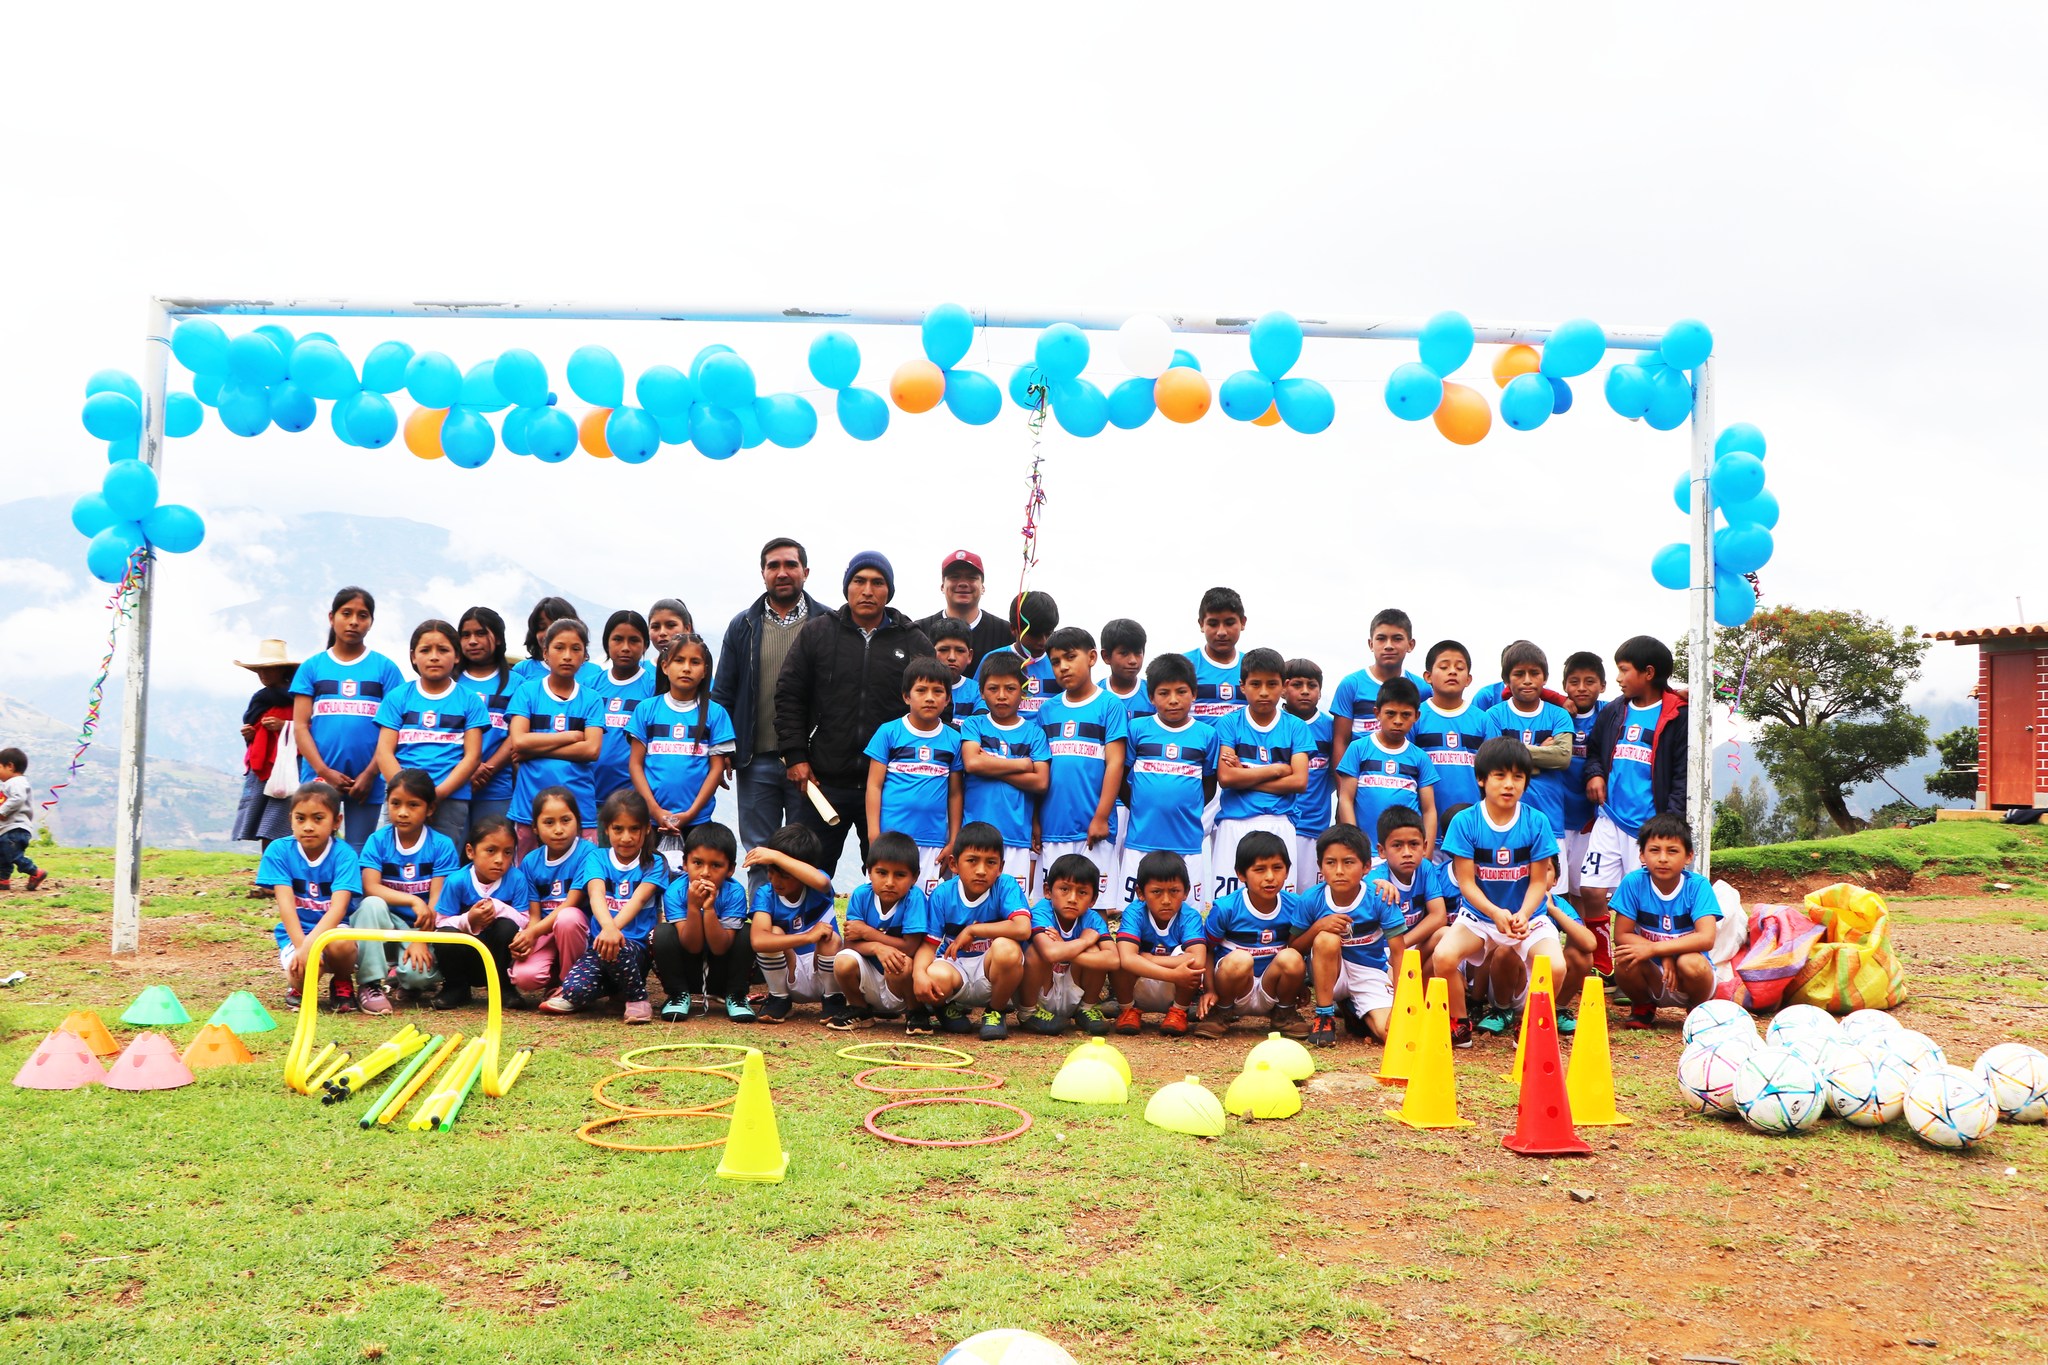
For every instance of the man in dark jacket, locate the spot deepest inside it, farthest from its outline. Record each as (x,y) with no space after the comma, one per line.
(842,681)
(749,662)
(960,588)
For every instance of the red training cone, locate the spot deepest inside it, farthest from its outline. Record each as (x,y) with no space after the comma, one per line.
(61,1061)
(150,1063)
(1543,1121)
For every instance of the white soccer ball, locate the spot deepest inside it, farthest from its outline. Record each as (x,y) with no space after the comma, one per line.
(1794,1020)
(1911,1047)
(1824,1050)
(1778,1091)
(1706,1075)
(1947,1106)
(1716,1015)
(2018,1078)
(1862,1026)
(1006,1346)
(1864,1089)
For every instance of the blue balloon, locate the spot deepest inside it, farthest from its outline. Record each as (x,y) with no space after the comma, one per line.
(322,370)
(1414,391)
(292,408)
(717,433)
(1023,380)
(1080,408)
(106,557)
(697,362)
(726,381)
(1573,349)
(90,515)
(675,426)
(206,388)
(174,529)
(665,391)
(480,389)
(790,421)
(279,338)
(1761,510)
(385,367)
(254,359)
(1742,436)
(1672,565)
(1276,345)
(1526,403)
(1131,404)
(1245,395)
(596,377)
(1734,602)
(201,346)
(521,378)
(111,416)
(1737,477)
(183,414)
(1305,406)
(1742,549)
(1681,493)
(948,332)
(551,435)
(466,438)
(1446,343)
(1628,390)
(862,414)
(433,380)
(130,449)
(1185,360)
(1686,344)
(320,336)
(370,419)
(337,419)
(973,397)
(632,435)
(1062,351)
(1563,399)
(512,430)
(835,359)
(245,411)
(130,490)
(1670,399)
(751,434)
(114,381)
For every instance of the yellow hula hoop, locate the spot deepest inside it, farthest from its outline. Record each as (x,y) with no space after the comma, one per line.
(857,1053)
(584,1133)
(626,1059)
(597,1091)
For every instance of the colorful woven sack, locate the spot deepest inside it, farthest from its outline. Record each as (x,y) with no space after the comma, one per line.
(1781,939)
(1853,967)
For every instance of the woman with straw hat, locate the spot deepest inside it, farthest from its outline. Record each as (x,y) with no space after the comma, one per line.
(260,817)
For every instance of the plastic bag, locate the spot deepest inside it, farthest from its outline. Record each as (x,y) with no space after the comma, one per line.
(1853,966)
(1781,939)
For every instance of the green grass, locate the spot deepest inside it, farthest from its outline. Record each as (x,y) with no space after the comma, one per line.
(1970,848)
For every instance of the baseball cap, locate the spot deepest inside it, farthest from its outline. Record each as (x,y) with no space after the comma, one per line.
(967,557)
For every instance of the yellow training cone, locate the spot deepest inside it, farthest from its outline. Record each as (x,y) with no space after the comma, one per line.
(1262,1093)
(1186,1106)
(1087,1080)
(1404,1022)
(1539,980)
(85,1026)
(1432,1099)
(216,1045)
(753,1147)
(1285,1056)
(1101,1050)
(1589,1082)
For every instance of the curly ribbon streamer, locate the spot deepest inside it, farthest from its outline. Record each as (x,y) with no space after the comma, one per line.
(120,606)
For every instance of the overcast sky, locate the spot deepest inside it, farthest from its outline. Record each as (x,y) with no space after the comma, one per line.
(1851,196)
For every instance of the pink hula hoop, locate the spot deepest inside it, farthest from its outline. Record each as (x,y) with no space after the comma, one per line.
(1018,1131)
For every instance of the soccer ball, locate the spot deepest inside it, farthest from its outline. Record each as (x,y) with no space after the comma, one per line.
(1794,1020)
(1914,1049)
(1862,1089)
(1947,1106)
(1006,1346)
(1706,1075)
(1716,1016)
(2018,1078)
(1862,1026)
(1778,1091)
(1825,1050)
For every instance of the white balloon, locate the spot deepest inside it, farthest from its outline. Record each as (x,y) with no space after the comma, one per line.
(1145,344)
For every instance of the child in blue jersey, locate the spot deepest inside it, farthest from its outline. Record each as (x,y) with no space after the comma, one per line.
(680,743)
(1356,931)
(1123,649)
(634,878)
(972,956)
(1255,941)
(1302,693)
(885,919)
(563,881)
(915,782)
(1585,678)
(313,876)
(435,725)
(403,867)
(1450,729)
(1665,918)
(666,619)
(795,937)
(1161,952)
(1173,759)
(487,899)
(1006,763)
(704,943)
(335,697)
(1545,728)
(1385,769)
(1087,733)
(545,613)
(620,684)
(557,731)
(1354,706)
(481,636)
(1070,953)
(1261,767)
(1219,673)
(1423,890)
(1635,768)
(1034,616)
(953,646)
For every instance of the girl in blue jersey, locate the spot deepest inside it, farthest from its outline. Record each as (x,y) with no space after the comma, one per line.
(621,684)
(403,867)
(666,619)
(480,634)
(312,877)
(489,900)
(435,725)
(335,696)
(634,880)
(562,881)
(557,729)
(680,744)
(545,613)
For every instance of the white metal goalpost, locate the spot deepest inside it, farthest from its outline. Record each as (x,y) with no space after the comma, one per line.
(154,376)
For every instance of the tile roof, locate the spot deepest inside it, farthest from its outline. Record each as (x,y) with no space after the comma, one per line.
(1974,634)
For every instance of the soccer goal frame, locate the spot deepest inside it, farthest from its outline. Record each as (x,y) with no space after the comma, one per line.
(155,372)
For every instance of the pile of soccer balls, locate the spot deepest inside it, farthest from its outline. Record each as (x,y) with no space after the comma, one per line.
(1867,1068)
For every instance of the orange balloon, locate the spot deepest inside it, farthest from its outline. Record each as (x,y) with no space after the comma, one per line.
(917,386)
(1513,361)
(1269,418)
(591,432)
(423,432)
(1182,394)
(1463,416)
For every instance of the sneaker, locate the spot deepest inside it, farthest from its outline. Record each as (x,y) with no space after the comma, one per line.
(919,1022)
(639,1012)
(1092,1020)
(956,1019)
(1603,944)
(993,1029)
(37,878)
(341,996)
(1567,1024)
(1493,1023)
(837,1017)
(676,1011)
(738,1011)
(774,1009)
(1175,1024)
(1461,1033)
(1322,1030)
(7,884)
(450,996)
(293,997)
(372,1000)
(1641,1017)
(1210,1027)
(1355,1025)
(1288,1021)
(1130,1021)
(1043,1020)
(557,1004)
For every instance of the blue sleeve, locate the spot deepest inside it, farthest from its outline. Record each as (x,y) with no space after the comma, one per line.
(1354,755)
(675,900)
(272,870)
(954,763)
(389,713)
(1489,723)
(515,889)
(1040,750)
(1190,926)
(636,726)
(1009,897)
(878,744)
(475,715)
(348,874)
(517,704)
(658,874)
(1392,919)
(1542,842)
(450,861)
(1212,752)
(1341,700)
(720,725)
(1118,725)
(1457,840)
(1094,920)
(1439,883)
(860,905)
(308,674)
(589,864)
(1425,771)
(389,675)
(1627,897)
(378,845)
(1705,904)
(590,706)
(1042,916)
(762,902)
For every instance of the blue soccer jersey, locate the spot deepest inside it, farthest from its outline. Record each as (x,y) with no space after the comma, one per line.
(966,699)
(494,690)
(1046,920)
(431,730)
(1386,777)
(1039,686)
(1314,811)
(678,743)
(1372,919)
(1167,769)
(1503,858)
(619,700)
(810,909)
(917,784)
(905,919)
(1451,738)
(622,881)
(991,798)
(553,880)
(1490,696)
(1429,882)
(728,906)
(530,670)
(1357,699)
(1078,736)
(509,896)
(313,883)
(1659,916)
(1257,746)
(548,714)
(1629,797)
(1182,930)
(1578,811)
(1234,926)
(1219,688)
(1547,788)
(1138,703)
(410,870)
(346,697)
(947,911)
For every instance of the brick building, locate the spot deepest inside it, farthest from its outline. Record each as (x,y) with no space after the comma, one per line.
(2012,713)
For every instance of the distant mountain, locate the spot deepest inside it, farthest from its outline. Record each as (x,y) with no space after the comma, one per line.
(1737,763)
(184,805)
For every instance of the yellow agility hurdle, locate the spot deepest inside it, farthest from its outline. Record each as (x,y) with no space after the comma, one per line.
(302,1068)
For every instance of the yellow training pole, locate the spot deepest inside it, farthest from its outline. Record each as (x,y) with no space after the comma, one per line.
(452,1078)
(412,1087)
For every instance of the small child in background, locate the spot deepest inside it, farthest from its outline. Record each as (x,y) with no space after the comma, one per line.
(1450,729)
(403,866)
(1173,760)
(795,938)
(972,956)
(952,646)
(1635,768)
(621,685)
(17,821)
(634,879)
(260,818)
(1423,890)
(1545,728)
(1034,616)
(1123,649)
(1494,693)
(666,619)
(915,783)
(1385,768)
(1262,767)
(1585,678)
(1087,735)
(1007,764)
(1070,952)
(1218,677)
(564,880)
(884,916)
(1356,929)
(1250,935)
(1665,917)
(1354,705)
(481,634)
(487,898)
(313,877)
(1161,953)
(545,613)
(704,943)
(679,744)
(435,725)
(1302,692)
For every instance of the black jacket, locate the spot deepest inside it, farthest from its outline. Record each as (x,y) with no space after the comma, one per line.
(739,671)
(837,689)
(1669,743)
(987,635)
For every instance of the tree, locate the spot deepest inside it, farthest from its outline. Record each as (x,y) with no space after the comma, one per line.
(1827,689)
(1957,780)
(1746,817)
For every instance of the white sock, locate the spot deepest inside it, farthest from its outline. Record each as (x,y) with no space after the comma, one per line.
(775,968)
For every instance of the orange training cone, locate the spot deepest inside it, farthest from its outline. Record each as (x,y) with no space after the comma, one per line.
(150,1063)
(1539,980)
(1404,1022)
(216,1045)
(1543,1121)
(61,1061)
(1432,1099)
(753,1147)
(1589,1081)
(87,1028)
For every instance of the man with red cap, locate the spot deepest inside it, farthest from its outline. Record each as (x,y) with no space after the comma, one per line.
(960,588)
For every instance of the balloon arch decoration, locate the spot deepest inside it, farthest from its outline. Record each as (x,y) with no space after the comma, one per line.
(266,376)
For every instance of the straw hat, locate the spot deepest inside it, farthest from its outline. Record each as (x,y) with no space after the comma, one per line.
(269,654)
